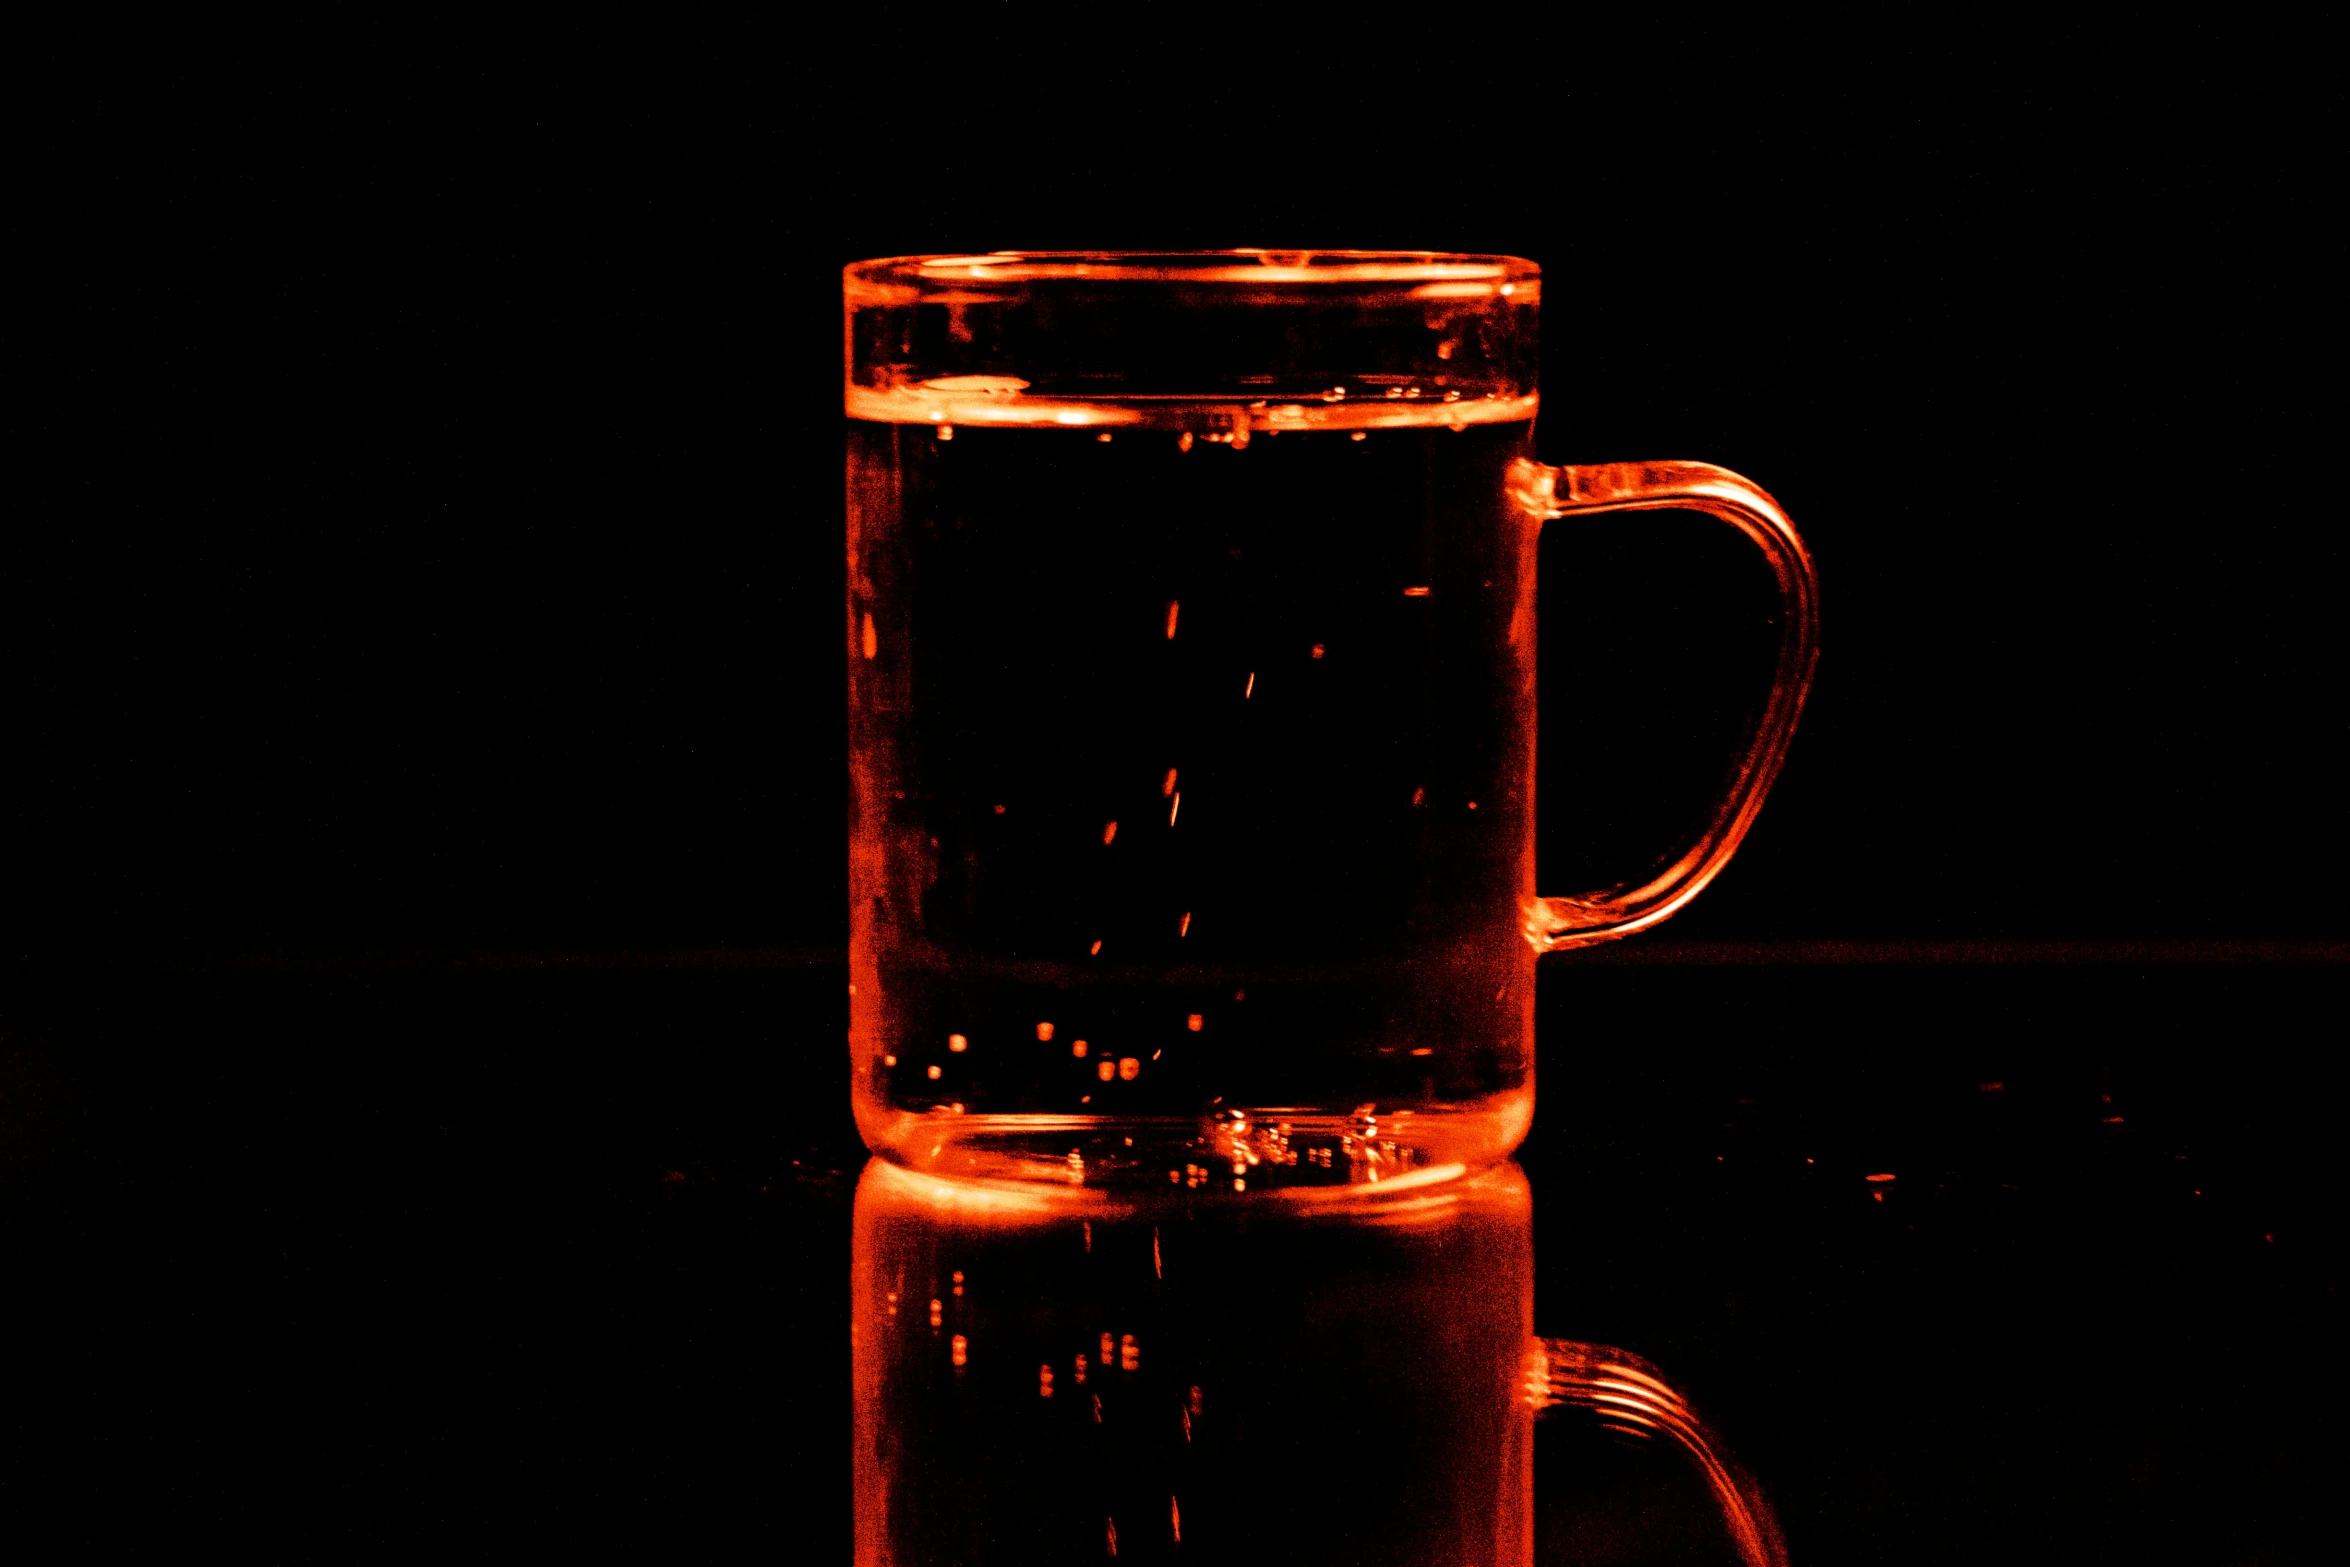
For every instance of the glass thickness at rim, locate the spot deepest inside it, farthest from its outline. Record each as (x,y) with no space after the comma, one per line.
(1238,340)
(1409,274)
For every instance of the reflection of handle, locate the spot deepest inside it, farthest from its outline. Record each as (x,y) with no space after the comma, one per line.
(1627,1394)
(1555,923)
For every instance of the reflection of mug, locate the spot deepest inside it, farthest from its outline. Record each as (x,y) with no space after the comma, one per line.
(1191,625)
(1048,1375)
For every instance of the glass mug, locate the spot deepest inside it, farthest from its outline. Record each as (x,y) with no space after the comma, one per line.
(1048,1374)
(1192,709)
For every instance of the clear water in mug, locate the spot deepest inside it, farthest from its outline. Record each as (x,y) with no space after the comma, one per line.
(1192,771)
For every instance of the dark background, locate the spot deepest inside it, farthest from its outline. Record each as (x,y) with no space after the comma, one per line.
(437,539)
(421,849)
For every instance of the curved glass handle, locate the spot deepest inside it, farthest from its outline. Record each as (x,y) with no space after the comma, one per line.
(1604,915)
(1629,1394)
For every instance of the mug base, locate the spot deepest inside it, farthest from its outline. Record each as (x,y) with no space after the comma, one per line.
(1272,1148)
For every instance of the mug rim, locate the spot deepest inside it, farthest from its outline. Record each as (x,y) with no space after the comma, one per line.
(970,277)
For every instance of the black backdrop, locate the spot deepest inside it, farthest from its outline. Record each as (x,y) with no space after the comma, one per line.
(423,537)
(435,531)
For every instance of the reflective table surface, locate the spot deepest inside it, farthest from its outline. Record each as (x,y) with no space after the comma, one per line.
(1971,1255)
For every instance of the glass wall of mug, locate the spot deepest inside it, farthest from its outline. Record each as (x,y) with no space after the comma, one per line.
(1191,689)
(1192,710)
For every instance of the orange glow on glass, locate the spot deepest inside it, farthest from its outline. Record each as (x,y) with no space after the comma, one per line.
(1012,579)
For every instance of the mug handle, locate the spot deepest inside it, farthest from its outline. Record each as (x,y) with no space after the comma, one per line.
(1554,924)
(1630,1395)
